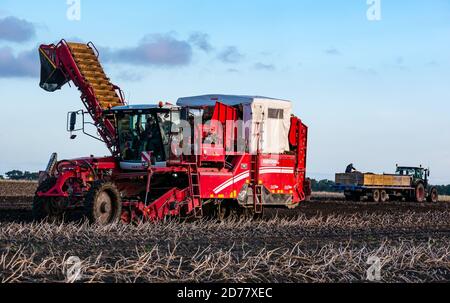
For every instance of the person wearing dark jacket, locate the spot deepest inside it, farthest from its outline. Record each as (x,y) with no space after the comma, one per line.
(350,169)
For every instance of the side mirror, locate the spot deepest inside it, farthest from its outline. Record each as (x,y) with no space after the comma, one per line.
(73,121)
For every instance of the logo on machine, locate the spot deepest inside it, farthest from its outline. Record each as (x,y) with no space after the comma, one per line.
(272,162)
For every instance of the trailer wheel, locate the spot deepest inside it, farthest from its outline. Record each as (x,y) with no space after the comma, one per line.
(376,195)
(384,197)
(103,205)
(433,196)
(420,193)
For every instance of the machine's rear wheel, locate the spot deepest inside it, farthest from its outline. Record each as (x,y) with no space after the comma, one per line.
(376,195)
(103,205)
(420,193)
(44,207)
(433,195)
(384,197)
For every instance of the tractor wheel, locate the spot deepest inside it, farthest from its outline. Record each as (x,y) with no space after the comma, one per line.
(376,195)
(43,207)
(384,197)
(102,204)
(420,193)
(433,196)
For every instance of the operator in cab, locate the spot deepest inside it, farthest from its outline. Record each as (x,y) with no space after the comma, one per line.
(128,154)
(151,138)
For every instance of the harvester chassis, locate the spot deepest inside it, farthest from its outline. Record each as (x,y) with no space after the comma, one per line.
(129,185)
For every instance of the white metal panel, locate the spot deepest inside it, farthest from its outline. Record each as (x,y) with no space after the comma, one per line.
(273,133)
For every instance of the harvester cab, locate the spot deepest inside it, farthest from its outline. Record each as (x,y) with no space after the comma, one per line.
(144,134)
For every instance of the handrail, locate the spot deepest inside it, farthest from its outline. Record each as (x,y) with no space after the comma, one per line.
(91,45)
(65,58)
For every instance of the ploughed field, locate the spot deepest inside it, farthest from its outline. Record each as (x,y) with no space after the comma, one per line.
(324,240)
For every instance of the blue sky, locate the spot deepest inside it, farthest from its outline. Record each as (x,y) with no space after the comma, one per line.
(372,93)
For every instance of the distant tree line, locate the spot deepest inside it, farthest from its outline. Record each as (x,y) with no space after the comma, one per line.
(323,185)
(17,175)
(443,189)
(317,186)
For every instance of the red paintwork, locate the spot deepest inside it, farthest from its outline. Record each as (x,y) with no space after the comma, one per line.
(82,169)
(208,176)
(158,210)
(62,57)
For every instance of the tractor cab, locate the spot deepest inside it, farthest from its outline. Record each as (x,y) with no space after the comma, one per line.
(417,173)
(144,134)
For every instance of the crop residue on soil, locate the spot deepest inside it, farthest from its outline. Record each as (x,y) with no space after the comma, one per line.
(324,240)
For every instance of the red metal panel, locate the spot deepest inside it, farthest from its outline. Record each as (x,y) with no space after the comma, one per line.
(64,60)
(225,138)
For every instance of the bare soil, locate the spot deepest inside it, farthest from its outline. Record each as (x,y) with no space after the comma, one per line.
(324,240)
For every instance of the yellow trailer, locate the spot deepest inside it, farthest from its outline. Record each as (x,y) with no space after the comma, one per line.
(408,183)
(386,180)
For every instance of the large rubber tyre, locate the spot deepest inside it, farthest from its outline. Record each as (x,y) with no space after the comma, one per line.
(433,195)
(384,197)
(41,205)
(103,205)
(420,193)
(376,196)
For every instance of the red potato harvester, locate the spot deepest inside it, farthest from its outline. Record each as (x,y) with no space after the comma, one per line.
(213,155)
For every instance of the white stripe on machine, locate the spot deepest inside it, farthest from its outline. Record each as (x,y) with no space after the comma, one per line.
(244,175)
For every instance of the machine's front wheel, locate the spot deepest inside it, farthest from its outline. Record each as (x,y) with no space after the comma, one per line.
(103,205)
(44,207)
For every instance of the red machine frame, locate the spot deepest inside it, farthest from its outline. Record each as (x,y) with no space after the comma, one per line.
(208,177)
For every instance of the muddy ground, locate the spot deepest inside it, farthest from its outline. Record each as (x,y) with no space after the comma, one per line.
(324,240)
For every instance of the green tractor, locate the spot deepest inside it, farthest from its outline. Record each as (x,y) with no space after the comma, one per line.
(419,181)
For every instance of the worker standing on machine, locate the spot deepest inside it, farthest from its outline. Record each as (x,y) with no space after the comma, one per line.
(350,169)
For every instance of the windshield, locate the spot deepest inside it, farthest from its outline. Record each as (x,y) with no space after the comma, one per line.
(140,133)
(414,172)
